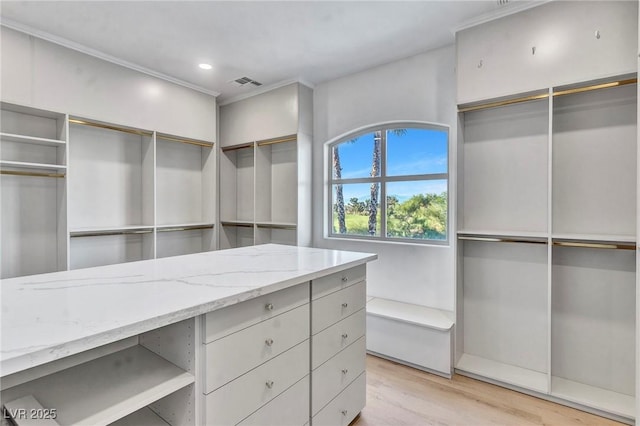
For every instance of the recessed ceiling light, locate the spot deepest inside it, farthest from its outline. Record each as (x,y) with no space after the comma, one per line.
(205,66)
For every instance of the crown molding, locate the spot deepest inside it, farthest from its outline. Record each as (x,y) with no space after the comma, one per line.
(8,23)
(264,89)
(509,9)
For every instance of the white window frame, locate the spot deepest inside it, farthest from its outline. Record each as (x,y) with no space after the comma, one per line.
(383,179)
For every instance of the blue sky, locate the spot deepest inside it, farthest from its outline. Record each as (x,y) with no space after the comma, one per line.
(419,151)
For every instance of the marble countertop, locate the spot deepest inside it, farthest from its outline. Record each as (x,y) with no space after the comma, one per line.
(50,316)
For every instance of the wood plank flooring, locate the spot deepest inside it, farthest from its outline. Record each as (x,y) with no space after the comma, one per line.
(399,395)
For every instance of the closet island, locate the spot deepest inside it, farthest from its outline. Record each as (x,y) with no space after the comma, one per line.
(267,334)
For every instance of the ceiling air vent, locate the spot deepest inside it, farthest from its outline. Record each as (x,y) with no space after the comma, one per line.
(243,81)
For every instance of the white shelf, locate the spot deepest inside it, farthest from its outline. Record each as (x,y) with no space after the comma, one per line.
(10,137)
(237,222)
(510,374)
(144,417)
(598,398)
(271,224)
(25,165)
(106,389)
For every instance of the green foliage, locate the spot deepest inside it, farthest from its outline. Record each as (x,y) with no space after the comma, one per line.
(423,216)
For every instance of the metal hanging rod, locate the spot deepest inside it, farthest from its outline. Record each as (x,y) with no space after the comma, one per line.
(185,228)
(183,140)
(240,225)
(236,147)
(274,226)
(595,245)
(289,138)
(109,233)
(595,87)
(109,127)
(18,173)
(502,239)
(504,102)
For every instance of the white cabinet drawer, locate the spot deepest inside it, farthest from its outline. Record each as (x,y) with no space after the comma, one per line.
(225,321)
(346,406)
(290,408)
(334,375)
(233,355)
(231,403)
(332,340)
(334,282)
(330,309)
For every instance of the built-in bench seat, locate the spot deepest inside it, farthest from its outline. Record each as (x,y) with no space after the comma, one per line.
(415,335)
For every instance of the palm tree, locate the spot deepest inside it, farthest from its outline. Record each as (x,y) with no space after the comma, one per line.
(342,227)
(375,171)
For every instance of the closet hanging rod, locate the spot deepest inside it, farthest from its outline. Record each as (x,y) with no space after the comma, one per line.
(504,102)
(240,225)
(269,226)
(18,173)
(610,246)
(109,127)
(502,239)
(185,228)
(109,233)
(595,87)
(182,140)
(289,138)
(236,147)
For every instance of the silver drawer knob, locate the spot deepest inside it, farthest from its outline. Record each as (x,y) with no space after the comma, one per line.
(269,384)
(269,306)
(268,342)
(344,305)
(345,371)
(344,412)
(345,335)
(345,279)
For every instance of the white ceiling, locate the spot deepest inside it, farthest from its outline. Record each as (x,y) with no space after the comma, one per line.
(268,41)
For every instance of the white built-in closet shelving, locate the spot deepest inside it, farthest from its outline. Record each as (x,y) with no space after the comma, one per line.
(80,192)
(265,165)
(547,196)
(546,243)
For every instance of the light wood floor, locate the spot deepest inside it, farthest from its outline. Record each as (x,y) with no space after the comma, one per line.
(399,395)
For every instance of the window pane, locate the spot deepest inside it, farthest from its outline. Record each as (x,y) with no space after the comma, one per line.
(416,151)
(352,209)
(417,209)
(355,158)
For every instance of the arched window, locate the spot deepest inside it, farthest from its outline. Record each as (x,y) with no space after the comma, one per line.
(390,182)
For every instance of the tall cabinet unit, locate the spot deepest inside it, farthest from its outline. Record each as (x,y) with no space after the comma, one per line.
(33,191)
(546,292)
(265,168)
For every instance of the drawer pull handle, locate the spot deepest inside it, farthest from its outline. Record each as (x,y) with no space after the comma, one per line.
(345,371)
(345,335)
(344,412)
(269,384)
(344,305)
(269,306)
(268,342)
(345,279)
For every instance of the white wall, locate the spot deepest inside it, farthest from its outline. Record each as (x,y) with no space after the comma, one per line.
(44,75)
(418,88)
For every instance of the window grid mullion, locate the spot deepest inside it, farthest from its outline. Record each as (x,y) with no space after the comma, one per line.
(383,185)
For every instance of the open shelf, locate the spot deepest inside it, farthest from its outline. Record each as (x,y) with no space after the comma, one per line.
(500,233)
(277,181)
(236,235)
(502,372)
(106,389)
(594,397)
(595,237)
(10,137)
(25,165)
(185,177)
(144,417)
(88,249)
(179,240)
(109,230)
(237,184)
(184,226)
